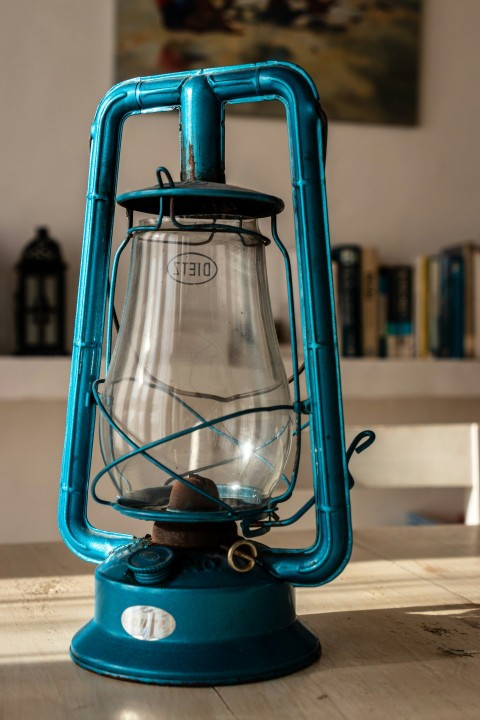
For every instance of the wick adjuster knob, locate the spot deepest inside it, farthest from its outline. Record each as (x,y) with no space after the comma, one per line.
(151,565)
(240,560)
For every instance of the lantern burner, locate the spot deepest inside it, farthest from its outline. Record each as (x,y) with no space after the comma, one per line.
(184,498)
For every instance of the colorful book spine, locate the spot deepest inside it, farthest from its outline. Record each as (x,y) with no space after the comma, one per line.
(369,299)
(476,302)
(382,311)
(348,259)
(452,305)
(433,302)
(421,306)
(468,252)
(400,336)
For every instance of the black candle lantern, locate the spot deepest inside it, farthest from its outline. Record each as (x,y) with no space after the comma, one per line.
(40,298)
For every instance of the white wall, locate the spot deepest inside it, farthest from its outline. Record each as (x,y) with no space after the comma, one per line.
(404,189)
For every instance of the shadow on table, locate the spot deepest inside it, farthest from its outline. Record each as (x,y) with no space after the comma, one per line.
(372,659)
(399,635)
(59,690)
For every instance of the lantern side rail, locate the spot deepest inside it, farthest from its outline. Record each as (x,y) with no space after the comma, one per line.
(86,541)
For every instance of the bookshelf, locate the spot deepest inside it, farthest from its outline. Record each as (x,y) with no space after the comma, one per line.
(429,307)
(34,378)
(372,378)
(39,378)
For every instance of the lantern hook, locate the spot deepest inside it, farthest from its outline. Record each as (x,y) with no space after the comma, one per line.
(161,170)
(368,436)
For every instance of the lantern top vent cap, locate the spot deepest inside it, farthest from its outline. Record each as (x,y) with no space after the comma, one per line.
(201,199)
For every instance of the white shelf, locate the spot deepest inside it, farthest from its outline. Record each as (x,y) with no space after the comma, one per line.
(34,378)
(377,378)
(381,378)
(40,378)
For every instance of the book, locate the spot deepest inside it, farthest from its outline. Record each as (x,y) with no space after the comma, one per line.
(467,251)
(433,303)
(421,306)
(382,310)
(476,302)
(451,329)
(400,337)
(369,301)
(348,259)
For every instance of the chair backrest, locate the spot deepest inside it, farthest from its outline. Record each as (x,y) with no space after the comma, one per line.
(423,456)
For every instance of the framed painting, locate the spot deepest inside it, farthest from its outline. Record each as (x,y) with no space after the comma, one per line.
(363,55)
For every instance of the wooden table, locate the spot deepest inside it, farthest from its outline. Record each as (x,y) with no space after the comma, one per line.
(400,631)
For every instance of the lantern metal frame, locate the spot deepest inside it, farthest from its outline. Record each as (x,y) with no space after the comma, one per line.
(284,644)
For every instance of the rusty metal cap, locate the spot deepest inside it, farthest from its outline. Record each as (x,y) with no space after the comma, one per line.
(183,497)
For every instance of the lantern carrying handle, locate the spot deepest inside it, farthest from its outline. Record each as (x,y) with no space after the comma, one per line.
(201,97)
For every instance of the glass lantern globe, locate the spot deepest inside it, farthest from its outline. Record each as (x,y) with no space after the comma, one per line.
(196,344)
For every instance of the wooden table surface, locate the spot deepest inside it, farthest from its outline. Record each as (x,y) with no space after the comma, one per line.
(400,631)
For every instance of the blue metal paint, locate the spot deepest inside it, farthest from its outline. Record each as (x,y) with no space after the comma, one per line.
(223,627)
(200,160)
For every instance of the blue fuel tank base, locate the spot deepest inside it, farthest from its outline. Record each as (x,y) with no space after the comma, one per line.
(198,623)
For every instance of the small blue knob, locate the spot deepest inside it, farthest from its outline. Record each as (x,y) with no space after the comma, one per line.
(151,565)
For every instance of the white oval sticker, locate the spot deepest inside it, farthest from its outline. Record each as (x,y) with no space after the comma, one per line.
(145,622)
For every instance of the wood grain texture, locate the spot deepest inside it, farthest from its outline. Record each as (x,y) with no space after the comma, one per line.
(400,631)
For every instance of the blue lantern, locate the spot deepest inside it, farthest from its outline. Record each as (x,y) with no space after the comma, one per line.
(195,414)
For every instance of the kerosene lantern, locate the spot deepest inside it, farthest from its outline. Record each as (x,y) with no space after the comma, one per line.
(195,415)
(40,298)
